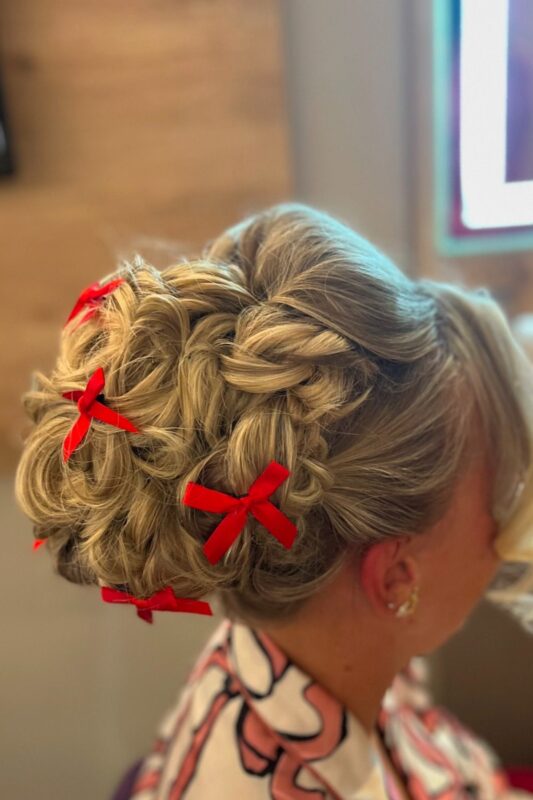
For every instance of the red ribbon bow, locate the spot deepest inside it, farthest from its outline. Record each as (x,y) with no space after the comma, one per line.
(237,509)
(38,543)
(89,408)
(91,297)
(164,600)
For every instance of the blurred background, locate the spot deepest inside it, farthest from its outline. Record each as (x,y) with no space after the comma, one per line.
(151,125)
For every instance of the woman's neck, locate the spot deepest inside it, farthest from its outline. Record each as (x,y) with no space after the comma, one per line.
(355,659)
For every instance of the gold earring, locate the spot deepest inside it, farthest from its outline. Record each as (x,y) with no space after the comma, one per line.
(409,605)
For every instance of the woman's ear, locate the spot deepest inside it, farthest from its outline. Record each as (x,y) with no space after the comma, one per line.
(389,573)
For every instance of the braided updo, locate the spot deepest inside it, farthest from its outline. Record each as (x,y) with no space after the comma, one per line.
(291,338)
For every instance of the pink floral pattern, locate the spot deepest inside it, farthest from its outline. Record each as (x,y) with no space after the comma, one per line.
(250,724)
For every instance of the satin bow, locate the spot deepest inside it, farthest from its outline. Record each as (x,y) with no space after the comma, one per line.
(91,297)
(164,600)
(89,408)
(256,502)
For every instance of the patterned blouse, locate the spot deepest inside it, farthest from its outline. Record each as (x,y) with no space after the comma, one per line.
(249,725)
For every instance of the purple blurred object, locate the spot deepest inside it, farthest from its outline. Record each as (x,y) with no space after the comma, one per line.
(124,789)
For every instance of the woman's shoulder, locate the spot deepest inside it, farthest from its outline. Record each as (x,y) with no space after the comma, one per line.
(191,751)
(430,743)
(249,723)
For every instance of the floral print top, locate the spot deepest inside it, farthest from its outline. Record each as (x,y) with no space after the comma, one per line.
(249,725)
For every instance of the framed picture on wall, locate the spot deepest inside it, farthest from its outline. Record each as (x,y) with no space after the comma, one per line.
(483,125)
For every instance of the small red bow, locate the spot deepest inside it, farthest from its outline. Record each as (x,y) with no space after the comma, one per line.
(89,408)
(91,297)
(37,543)
(164,600)
(237,509)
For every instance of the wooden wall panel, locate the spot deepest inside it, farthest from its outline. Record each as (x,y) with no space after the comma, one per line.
(150,123)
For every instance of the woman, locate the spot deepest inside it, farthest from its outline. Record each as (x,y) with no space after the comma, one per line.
(293,428)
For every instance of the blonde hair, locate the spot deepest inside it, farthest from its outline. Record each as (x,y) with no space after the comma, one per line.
(291,338)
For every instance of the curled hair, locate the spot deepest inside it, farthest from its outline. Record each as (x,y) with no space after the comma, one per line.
(291,338)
